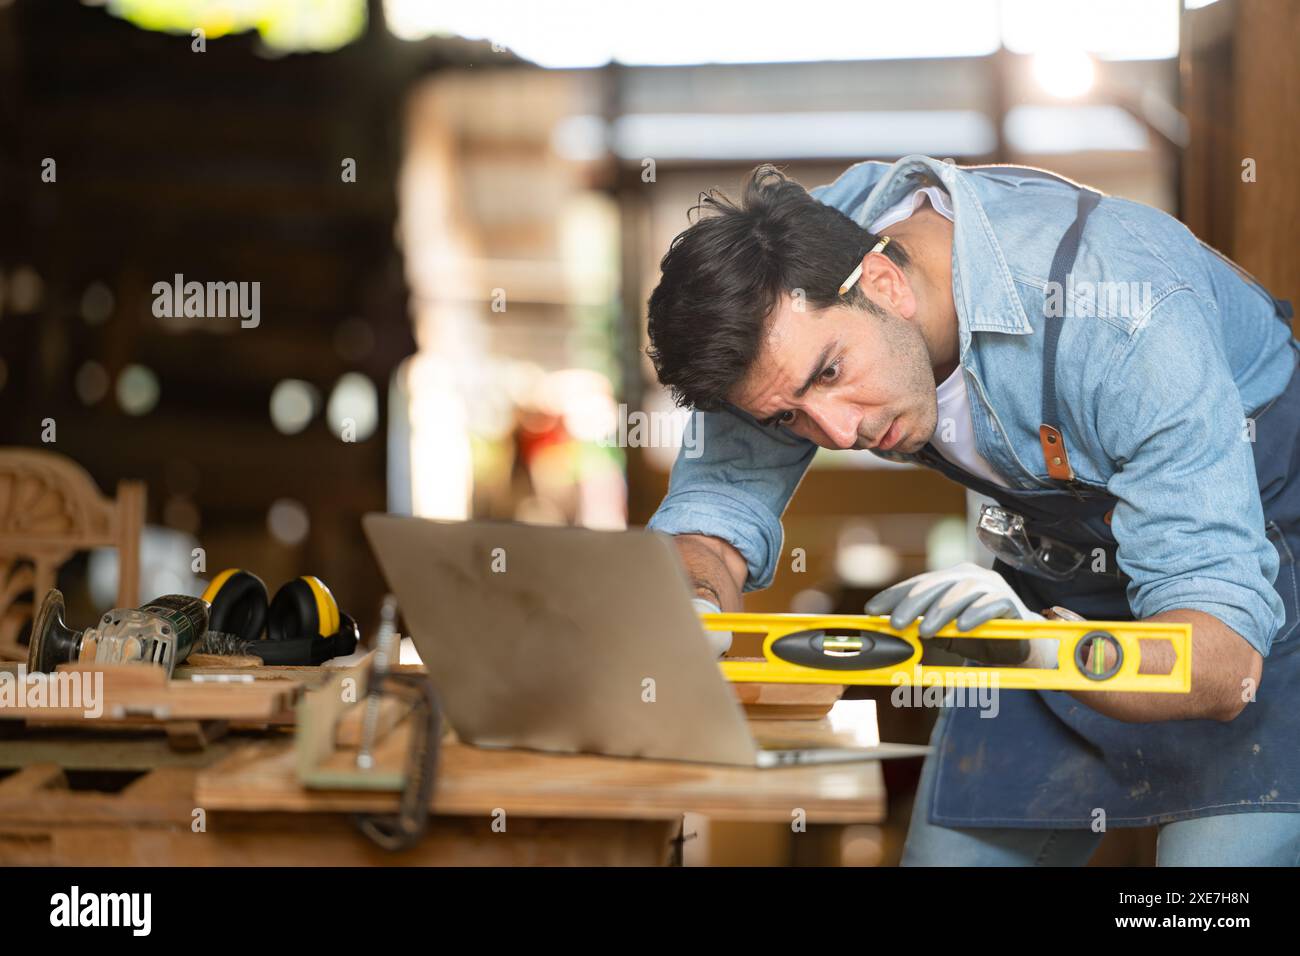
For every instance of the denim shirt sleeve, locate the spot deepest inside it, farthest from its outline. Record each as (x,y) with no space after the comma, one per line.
(733,483)
(851,188)
(1188,520)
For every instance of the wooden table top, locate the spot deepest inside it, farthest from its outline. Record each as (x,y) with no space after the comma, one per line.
(475,781)
(261,775)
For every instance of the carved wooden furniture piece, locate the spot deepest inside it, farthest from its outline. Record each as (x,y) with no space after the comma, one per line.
(50,509)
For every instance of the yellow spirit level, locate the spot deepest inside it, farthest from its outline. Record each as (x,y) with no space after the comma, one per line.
(857,649)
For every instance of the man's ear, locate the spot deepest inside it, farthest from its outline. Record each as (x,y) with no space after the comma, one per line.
(886,282)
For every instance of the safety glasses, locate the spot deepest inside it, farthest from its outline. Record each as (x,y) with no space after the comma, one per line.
(1003,533)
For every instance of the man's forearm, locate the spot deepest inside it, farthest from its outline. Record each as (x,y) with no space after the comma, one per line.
(1222,664)
(716,569)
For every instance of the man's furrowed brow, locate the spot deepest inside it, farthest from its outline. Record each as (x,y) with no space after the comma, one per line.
(818,367)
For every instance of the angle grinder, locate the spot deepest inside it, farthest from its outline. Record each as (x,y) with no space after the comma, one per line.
(162,633)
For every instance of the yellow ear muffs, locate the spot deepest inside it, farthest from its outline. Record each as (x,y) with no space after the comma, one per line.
(302,608)
(238,604)
(326,606)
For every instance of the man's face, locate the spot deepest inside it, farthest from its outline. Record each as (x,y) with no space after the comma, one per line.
(843,378)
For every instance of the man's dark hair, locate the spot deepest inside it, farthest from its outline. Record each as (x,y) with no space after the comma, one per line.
(724,275)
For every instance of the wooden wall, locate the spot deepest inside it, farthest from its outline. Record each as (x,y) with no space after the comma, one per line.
(223,166)
(1241,90)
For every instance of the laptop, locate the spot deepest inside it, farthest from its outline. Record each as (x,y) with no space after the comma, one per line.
(580,641)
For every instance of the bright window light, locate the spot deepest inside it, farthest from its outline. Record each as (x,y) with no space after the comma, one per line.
(745,136)
(1066,74)
(1110,29)
(1073,129)
(585,33)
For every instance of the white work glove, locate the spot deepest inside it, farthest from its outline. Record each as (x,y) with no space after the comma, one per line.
(968,595)
(719,641)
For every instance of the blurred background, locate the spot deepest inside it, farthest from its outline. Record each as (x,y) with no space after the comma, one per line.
(456,211)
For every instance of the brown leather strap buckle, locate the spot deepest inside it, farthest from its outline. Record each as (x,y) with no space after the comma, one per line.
(1054,454)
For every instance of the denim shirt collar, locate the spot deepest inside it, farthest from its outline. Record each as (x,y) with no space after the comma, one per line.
(983,290)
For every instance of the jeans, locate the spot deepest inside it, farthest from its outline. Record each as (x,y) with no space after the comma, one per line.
(1230,839)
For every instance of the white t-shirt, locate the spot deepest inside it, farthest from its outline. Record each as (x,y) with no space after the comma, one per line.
(954,436)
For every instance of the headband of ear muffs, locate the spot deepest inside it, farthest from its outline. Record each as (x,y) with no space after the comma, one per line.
(238,602)
(312,649)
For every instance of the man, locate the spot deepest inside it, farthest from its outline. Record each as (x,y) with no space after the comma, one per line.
(1125,394)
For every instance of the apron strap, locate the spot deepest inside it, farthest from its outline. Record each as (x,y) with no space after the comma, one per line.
(1050,438)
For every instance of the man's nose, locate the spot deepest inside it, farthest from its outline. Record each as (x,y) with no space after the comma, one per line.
(838,422)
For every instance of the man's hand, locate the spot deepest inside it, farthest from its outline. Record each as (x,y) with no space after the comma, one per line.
(968,595)
(718,573)
(719,641)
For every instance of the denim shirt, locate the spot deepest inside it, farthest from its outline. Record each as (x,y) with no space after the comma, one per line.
(1157,372)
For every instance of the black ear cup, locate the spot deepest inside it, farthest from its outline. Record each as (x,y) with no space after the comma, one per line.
(302,608)
(348,637)
(303,623)
(238,602)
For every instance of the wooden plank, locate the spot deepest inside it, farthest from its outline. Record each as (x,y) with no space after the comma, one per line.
(37,776)
(787,701)
(171,805)
(351,724)
(332,840)
(189,735)
(164,785)
(305,674)
(474,781)
(134,693)
(320,709)
(153,822)
(143,749)
(227,663)
(339,770)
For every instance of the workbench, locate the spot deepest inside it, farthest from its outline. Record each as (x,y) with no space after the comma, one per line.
(558,809)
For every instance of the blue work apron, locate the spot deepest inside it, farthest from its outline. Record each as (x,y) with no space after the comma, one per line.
(1048,760)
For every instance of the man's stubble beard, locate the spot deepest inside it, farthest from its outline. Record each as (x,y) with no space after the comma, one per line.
(922,417)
